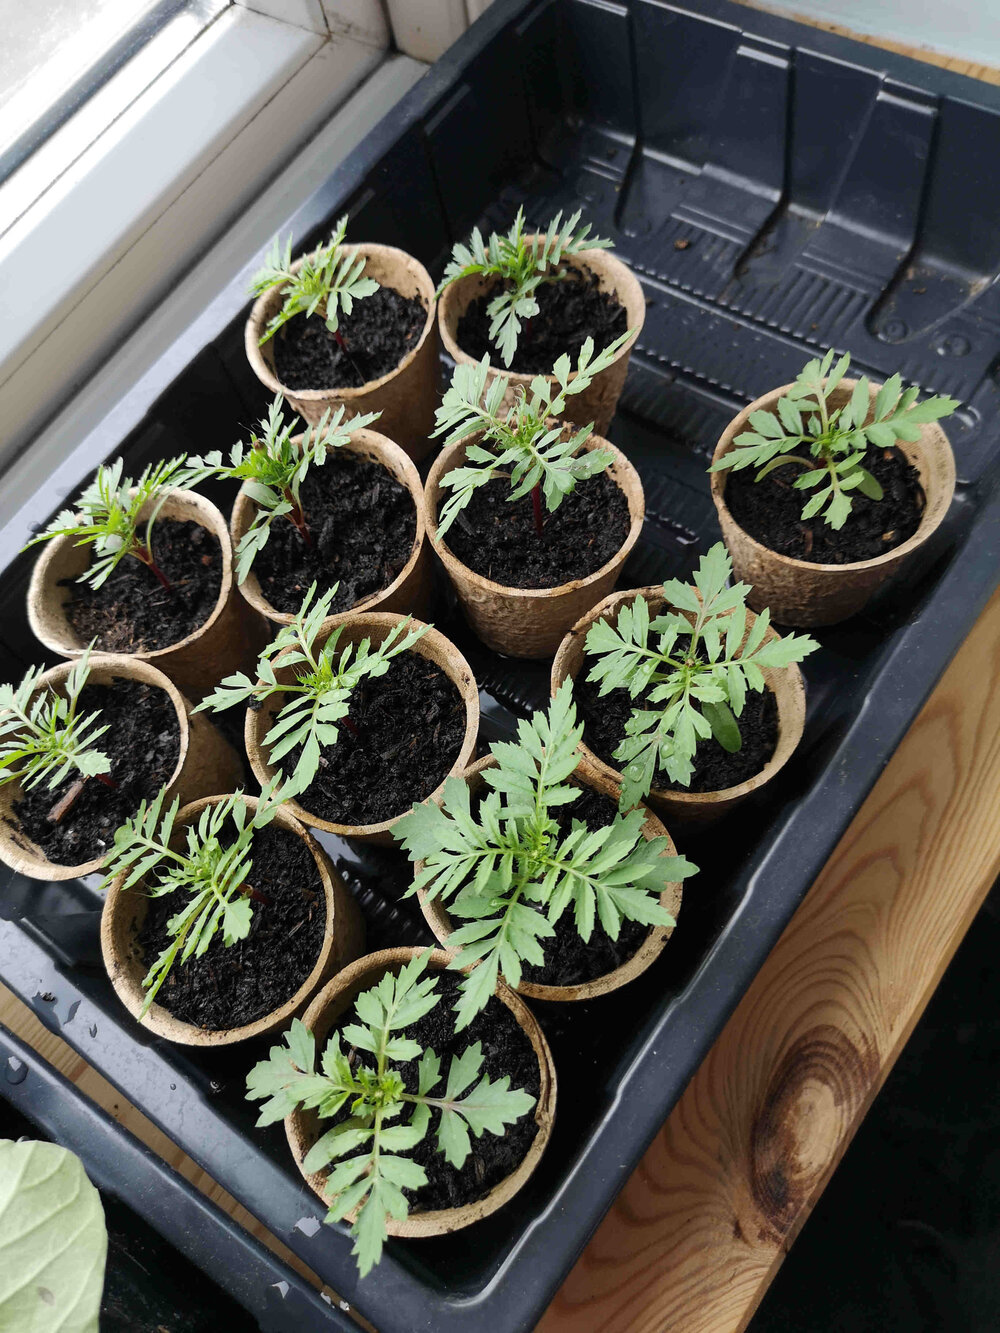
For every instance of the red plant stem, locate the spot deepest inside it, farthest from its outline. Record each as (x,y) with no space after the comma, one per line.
(536,504)
(108,782)
(146,556)
(298,518)
(255,894)
(339,339)
(352,728)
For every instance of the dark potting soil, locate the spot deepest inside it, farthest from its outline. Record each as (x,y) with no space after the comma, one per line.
(570,960)
(498,538)
(570,311)
(228,987)
(132,612)
(378,333)
(410,724)
(362,522)
(142,743)
(604,718)
(770,511)
(506,1050)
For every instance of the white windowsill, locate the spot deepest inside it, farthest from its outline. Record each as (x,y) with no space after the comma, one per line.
(117,231)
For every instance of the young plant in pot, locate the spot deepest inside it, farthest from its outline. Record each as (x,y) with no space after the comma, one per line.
(833,486)
(338,503)
(82,746)
(404,1126)
(370,715)
(539,516)
(222,918)
(690,701)
(541,880)
(525,299)
(352,326)
(143,567)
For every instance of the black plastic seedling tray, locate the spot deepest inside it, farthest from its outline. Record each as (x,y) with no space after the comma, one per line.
(778,190)
(149,1281)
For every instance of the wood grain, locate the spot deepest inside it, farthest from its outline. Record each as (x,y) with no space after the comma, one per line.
(697,1234)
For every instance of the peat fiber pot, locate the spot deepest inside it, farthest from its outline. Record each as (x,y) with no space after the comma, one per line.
(373,625)
(303,1127)
(125,911)
(597,403)
(801,594)
(228,641)
(205,762)
(786,683)
(406,396)
(410,590)
(440,921)
(530,622)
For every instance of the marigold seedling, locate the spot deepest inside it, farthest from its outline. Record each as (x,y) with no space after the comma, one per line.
(389,1115)
(44,736)
(107,517)
(273,467)
(508,873)
(327,283)
(323,681)
(696,660)
(829,443)
(522,443)
(522,265)
(211,872)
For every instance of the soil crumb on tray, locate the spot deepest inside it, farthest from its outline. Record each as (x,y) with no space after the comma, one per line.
(506,1050)
(228,987)
(132,612)
(571,310)
(363,524)
(406,732)
(498,539)
(378,333)
(604,718)
(770,511)
(142,742)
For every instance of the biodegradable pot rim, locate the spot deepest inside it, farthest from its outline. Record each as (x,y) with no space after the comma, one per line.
(448,658)
(452,456)
(438,1221)
(260,310)
(791,706)
(125,976)
(452,306)
(915,452)
(103,667)
(439,918)
(43,592)
(378,448)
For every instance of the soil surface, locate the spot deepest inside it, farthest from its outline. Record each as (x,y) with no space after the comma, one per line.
(142,742)
(770,511)
(410,724)
(604,718)
(229,987)
(132,612)
(498,539)
(363,524)
(569,960)
(570,311)
(506,1050)
(378,333)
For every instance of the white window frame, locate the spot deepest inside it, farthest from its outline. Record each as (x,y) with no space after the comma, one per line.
(86,255)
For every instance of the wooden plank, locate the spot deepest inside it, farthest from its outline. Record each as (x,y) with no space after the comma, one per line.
(707,1218)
